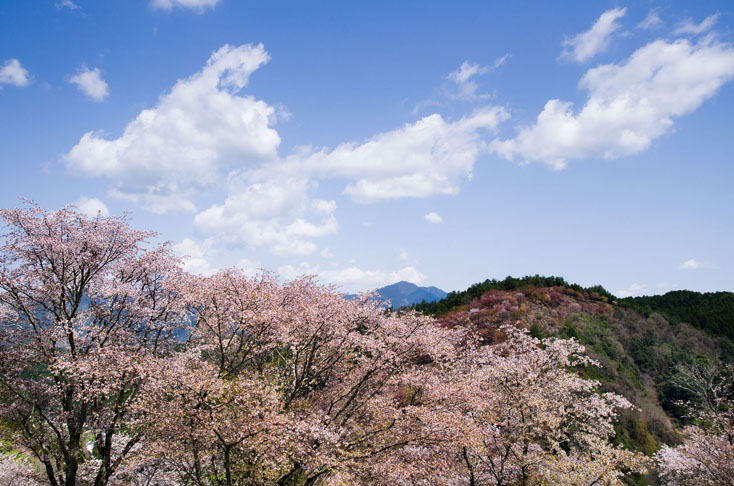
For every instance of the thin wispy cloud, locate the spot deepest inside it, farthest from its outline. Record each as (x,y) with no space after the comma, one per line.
(688,26)
(584,46)
(464,85)
(198,6)
(634,290)
(352,277)
(68,4)
(652,21)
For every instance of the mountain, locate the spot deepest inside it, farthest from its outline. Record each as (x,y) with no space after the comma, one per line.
(406,294)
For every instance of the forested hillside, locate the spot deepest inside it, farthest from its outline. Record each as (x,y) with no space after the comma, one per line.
(711,311)
(643,346)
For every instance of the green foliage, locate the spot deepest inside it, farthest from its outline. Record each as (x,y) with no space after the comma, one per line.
(632,434)
(712,311)
(537,332)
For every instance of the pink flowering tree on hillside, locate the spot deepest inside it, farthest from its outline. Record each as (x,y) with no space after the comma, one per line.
(707,456)
(86,309)
(522,416)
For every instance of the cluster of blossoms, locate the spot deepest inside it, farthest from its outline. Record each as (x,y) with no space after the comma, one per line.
(116,367)
(706,458)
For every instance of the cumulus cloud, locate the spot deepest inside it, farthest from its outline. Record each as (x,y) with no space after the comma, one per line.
(433,218)
(353,278)
(652,21)
(195,5)
(91,206)
(193,257)
(634,290)
(629,104)
(273,211)
(13,73)
(203,135)
(90,82)
(181,145)
(421,159)
(688,26)
(275,206)
(586,45)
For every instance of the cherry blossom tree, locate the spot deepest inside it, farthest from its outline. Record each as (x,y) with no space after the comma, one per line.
(707,455)
(522,416)
(86,308)
(16,471)
(291,384)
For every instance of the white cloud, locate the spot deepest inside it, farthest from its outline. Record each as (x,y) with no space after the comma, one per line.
(353,278)
(13,73)
(691,264)
(465,87)
(274,207)
(194,257)
(629,104)
(633,290)
(92,206)
(688,26)
(466,72)
(430,156)
(586,45)
(66,4)
(652,21)
(433,218)
(249,267)
(196,5)
(181,149)
(501,60)
(326,253)
(201,126)
(694,264)
(272,211)
(90,82)
(404,255)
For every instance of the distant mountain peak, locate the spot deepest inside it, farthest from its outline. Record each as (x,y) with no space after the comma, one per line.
(403,294)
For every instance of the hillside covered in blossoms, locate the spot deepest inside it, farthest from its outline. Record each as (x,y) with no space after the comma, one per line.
(118,367)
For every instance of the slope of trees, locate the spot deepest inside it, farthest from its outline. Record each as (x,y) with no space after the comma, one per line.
(711,311)
(643,357)
(276,384)
(458,298)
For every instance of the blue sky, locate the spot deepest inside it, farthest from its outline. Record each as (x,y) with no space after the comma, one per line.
(438,142)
